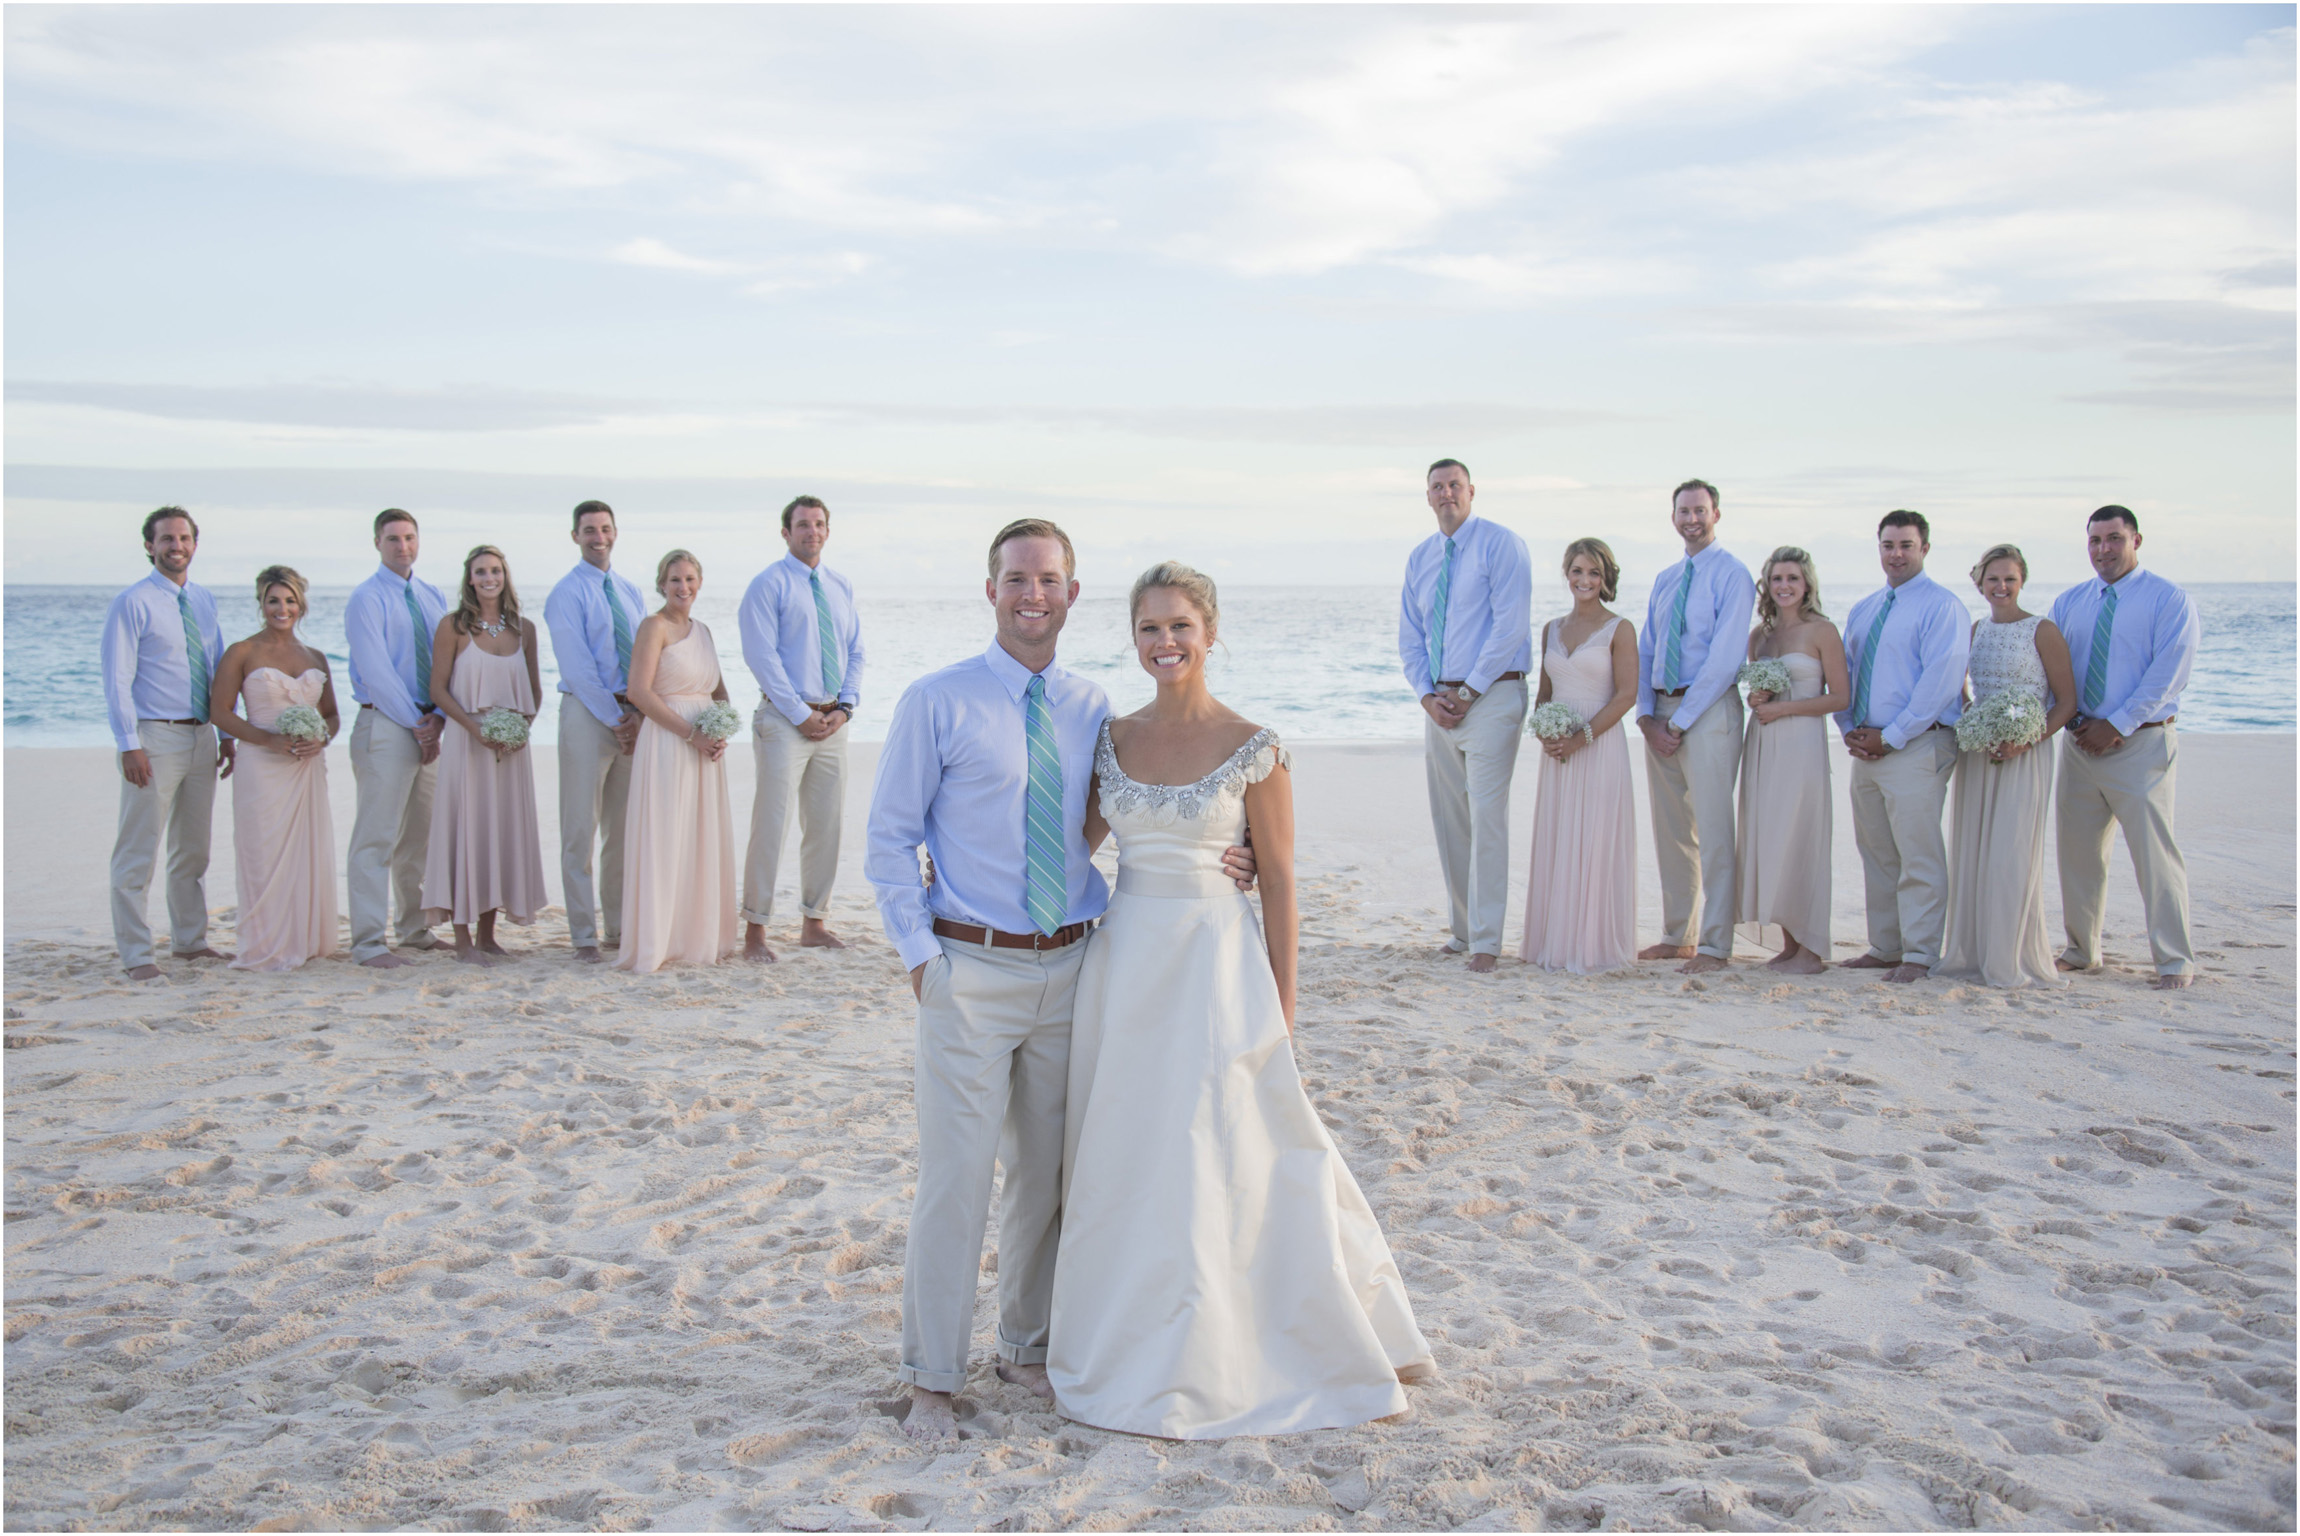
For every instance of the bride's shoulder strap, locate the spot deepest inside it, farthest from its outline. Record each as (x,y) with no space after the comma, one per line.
(1263,753)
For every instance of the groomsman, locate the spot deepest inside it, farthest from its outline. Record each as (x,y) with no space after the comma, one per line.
(1906,649)
(2132,636)
(1688,655)
(161,642)
(387,626)
(804,645)
(592,614)
(1465,634)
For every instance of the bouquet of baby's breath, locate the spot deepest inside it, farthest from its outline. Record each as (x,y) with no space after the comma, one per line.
(302,723)
(501,727)
(1554,721)
(720,721)
(2012,718)
(1767,674)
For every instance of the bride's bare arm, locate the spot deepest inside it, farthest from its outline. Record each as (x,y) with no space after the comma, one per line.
(1270,821)
(1097,826)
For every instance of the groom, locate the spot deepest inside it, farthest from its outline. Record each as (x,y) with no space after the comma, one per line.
(987,767)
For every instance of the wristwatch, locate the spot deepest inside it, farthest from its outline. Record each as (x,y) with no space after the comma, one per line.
(1466,694)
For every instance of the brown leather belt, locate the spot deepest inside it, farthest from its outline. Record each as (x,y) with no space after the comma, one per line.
(1505,677)
(967,933)
(2150,725)
(155,720)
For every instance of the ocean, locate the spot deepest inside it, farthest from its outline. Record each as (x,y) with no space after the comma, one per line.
(1318,663)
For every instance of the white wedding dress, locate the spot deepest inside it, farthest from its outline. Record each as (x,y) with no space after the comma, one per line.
(1220,1273)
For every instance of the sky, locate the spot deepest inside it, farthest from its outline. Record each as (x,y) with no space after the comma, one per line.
(1210,283)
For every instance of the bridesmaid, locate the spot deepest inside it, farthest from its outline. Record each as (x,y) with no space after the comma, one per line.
(1581,898)
(486,855)
(1996,928)
(283,837)
(678,838)
(1784,844)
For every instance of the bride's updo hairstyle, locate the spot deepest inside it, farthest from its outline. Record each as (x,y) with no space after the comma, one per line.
(1195,586)
(2001,552)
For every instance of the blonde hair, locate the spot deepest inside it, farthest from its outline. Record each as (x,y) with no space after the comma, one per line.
(1768,611)
(1998,552)
(467,597)
(663,567)
(1033,528)
(1196,587)
(284,576)
(1608,568)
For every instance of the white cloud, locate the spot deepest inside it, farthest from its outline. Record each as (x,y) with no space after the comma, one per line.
(647,252)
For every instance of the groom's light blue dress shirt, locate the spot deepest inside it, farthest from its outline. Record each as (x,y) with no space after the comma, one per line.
(380,637)
(1717,616)
(783,641)
(1488,611)
(2151,645)
(583,637)
(953,778)
(147,672)
(1918,678)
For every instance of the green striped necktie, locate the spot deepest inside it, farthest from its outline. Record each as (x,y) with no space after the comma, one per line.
(195,655)
(2096,659)
(1869,658)
(833,674)
(422,648)
(1437,614)
(621,621)
(1047,893)
(1673,655)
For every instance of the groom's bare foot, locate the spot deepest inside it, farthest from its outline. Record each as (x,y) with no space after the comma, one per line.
(144,973)
(1699,964)
(1803,963)
(755,944)
(930,1418)
(1481,964)
(1031,1376)
(1868,962)
(1906,973)
(587,953)
(2172,981)
(1666,952)
(387,961)
(814,935)
(202,953)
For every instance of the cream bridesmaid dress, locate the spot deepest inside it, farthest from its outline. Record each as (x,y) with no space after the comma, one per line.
(1783,844)
(486,852)
(678,836)
(283,839)
(1220,1273)
(1996,927)
(1581,895)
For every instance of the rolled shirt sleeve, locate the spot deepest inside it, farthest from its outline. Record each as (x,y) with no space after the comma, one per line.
(578,659)
(2173,635)
(1943,647)
(122,627)
(1732,596)
(909,771)
(1509,589)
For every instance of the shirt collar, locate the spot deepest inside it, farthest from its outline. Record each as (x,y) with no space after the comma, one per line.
(1013,676)
(386,573)
(795,563)
(158,579)
(2128,579)
(1460,535)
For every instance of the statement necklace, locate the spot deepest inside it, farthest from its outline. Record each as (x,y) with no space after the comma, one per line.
(485,628)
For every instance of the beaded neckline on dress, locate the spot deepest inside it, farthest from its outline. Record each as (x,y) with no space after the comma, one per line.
(1124,794)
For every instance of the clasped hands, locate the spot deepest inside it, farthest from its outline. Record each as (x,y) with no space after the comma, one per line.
(1867,744)
(823,721)
(2096,737)
(1447,709)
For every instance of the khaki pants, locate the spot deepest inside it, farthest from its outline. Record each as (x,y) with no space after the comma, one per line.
(594,792)
(1904,859)
(814,774)
(390,834)
(1469,769)
(992,1075)
(180,801)
(1694,802)
(2132,788)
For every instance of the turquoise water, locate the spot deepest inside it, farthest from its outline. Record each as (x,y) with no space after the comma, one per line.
(1318,663)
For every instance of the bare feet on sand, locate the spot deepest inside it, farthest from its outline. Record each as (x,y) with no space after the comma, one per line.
(201,954)
(930,1418)
(588,954)
(1699,964)
(2173,981)
(1907,973)
(469,954)
(144,973)
(424,940)
(1868,962)
(755,944)
(1031,1376)
(2063,965)
(813,935)
(1481,964)
(1797,962)
(387,961)
(1666,952)
(1416,1375)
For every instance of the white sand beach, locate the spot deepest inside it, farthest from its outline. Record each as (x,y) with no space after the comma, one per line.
(549,1246)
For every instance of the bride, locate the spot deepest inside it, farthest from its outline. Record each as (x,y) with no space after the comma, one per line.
(1219,1273)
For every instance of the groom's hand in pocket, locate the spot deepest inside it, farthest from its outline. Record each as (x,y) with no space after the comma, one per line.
(1238,864)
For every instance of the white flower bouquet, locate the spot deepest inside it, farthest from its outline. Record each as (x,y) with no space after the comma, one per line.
(1554,721)
(301,722)
(2012,718)
(1767,674)
(719,721)
(501,727)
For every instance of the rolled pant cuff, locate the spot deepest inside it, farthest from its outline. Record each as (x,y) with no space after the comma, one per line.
(1021,1354)
(933,1381)
(1713,952)
(2174,970)
(761,918)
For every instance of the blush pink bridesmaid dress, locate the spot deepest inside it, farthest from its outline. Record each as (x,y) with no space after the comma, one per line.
(678,835)
(1581,897)
(283,839)
(485,853)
